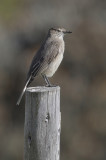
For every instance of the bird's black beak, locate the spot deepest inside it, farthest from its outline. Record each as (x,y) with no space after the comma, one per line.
(67,32)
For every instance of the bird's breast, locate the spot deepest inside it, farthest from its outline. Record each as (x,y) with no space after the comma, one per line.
(53,66)
(55,62)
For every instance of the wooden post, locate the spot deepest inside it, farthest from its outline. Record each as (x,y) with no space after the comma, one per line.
(42,123)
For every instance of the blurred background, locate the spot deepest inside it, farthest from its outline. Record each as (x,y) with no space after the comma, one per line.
(81,76)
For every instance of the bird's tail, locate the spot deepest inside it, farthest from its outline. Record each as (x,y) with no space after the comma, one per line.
(19,100)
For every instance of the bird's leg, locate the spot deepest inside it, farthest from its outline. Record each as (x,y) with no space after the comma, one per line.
(48,84)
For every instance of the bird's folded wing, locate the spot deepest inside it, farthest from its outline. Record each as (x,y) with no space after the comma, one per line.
(41,64)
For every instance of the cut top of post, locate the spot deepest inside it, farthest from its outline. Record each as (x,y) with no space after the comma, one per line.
(42,89)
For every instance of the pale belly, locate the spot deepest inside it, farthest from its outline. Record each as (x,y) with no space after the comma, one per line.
(53,66)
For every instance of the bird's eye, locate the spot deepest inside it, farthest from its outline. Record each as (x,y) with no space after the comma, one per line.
(58,30)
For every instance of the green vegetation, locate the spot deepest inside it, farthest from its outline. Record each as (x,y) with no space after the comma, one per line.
(9,8)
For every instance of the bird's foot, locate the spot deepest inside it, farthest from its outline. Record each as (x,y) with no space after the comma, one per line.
(50,85)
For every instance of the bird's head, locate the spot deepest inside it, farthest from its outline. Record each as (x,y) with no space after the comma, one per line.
(58,32)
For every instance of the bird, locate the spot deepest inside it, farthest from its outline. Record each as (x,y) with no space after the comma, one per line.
(47,59)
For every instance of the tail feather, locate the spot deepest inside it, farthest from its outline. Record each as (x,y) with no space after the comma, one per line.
(19,100)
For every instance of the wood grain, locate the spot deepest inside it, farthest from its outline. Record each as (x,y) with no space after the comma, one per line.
(42,123)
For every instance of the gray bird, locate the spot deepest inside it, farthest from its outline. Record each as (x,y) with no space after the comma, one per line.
(48,58)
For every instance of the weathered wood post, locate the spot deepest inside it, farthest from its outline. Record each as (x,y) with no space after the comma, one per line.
(42,123)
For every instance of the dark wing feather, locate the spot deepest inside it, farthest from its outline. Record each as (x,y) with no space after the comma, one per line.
(42,59)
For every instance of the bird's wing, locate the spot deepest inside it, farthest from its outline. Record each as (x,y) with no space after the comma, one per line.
(51,53)
(42,59)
